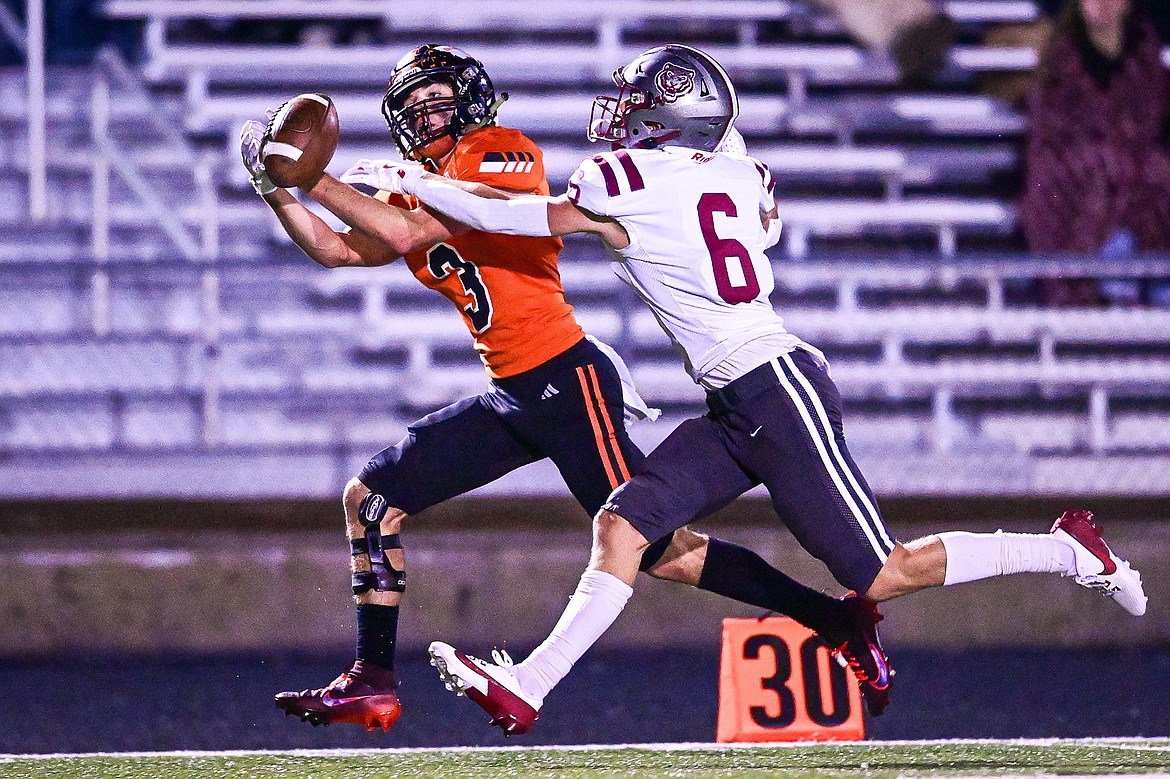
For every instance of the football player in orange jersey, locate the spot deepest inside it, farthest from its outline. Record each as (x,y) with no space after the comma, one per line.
(554,392)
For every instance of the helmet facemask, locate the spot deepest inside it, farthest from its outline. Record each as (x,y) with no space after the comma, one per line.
(416,136)
(473,103)
(610,118)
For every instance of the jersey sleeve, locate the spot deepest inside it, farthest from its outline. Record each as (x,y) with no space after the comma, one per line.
(768,201)
(767,185)
(504,160)
(588,188)
(763,175)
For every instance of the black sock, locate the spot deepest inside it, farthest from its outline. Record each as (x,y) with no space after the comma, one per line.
(377,630)
(741,574)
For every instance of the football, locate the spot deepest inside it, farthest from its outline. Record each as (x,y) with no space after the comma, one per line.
(302,137)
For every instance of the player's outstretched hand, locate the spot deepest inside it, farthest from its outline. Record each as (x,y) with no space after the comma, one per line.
(252,136)
(386,175)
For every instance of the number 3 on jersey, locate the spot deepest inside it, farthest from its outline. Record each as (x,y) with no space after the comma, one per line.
(735,277)
(442,261)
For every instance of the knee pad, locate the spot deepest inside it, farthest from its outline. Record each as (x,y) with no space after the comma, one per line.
(371,510)
(654,552)
(382,576)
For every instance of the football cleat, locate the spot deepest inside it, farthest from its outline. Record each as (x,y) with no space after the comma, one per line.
(1096,565)
(491,685)
(363,695)
(862,651)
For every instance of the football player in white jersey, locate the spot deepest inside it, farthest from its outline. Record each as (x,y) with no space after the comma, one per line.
(690,224)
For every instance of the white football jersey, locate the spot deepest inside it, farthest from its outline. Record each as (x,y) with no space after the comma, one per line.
(696,253)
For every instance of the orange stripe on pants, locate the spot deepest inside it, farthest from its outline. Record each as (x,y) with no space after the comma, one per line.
(617,450)
(597,434)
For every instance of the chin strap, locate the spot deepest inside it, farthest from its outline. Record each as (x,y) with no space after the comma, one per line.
(382,576)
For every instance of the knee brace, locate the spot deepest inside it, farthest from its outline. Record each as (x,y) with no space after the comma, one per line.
(382,576)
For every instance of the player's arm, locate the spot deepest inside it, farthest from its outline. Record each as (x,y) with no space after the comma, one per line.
(495,211)
(379,234)
(769,209)
(400,230)
(322,243)
(770,221)
(308,231)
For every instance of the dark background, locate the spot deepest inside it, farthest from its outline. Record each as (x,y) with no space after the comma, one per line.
(154,703)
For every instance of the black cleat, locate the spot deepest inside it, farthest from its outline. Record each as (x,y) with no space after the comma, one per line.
(862,651)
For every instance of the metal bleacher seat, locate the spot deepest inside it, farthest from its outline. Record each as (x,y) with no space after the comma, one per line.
(664,383)
(36,430)
(81,367)
(598,34)
(418,15)
(388,314)
(1004,58)
(566,114)
(938,216)
(604,26)
(554,56)
(1141,431)
(590,60)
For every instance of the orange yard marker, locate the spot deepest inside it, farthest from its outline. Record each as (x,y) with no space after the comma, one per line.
(778,682)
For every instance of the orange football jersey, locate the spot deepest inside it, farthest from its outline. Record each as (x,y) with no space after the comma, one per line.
(507,287)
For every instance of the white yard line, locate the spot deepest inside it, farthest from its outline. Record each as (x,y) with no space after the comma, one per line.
(1118,742)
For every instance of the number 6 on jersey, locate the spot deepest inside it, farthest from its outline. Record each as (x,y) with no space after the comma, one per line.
(735,277)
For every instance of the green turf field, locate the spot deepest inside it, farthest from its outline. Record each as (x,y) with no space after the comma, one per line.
(879,760)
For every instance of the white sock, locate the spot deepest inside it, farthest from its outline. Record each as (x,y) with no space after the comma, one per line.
(973,556)
(599,599)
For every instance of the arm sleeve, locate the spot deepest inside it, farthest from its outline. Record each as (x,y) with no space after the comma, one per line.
(524,215)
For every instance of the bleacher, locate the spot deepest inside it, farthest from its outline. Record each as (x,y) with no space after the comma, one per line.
(833,101)
(157,315)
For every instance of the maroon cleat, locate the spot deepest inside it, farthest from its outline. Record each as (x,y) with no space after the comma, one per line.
(1096,565)
(491,685)
(862,651)
(363,695)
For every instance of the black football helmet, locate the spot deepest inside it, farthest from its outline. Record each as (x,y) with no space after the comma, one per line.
(473,104)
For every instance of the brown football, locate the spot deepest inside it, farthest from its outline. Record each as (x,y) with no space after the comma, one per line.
(302,139)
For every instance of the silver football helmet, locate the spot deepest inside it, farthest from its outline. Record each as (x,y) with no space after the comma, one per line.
(671,94)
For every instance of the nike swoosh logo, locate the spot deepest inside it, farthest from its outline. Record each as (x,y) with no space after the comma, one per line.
(883,679)
(756,431)
(481,680)
(330,701)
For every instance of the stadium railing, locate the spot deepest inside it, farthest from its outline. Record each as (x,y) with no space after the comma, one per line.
(375,334)
(118,162)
